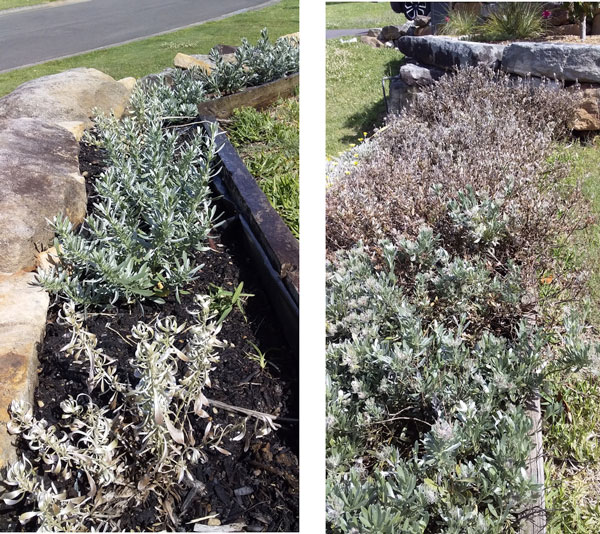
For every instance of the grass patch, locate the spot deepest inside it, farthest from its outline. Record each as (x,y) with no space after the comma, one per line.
(10,4)
(572,426)
(361,15)
(354,96)
(572,418)
(157,53)
(586,167)
(584,160)
(268,142)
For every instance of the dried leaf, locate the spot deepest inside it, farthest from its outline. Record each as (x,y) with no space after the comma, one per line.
(240,436)
(9,498)
(221,450)
(27,516)
(143,483)
(92,483)
(176,434)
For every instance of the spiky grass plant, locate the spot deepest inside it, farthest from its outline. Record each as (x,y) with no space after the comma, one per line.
(514,20)
(461,23)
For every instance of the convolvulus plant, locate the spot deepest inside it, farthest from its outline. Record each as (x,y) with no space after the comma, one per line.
(253,65)
(152,212)
(138,438)
(427,377)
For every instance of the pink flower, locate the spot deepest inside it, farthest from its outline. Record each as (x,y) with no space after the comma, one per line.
(447,19)
(546,14)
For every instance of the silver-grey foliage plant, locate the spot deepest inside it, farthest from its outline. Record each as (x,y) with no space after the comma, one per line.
(426,387)
(140,442)
(252,65)
(152,211)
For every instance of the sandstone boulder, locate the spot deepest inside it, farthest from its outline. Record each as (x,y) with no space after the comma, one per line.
(587,115)
(128,83)
(202,61)
(448,53)
(67,96)
(568,62)
(183,61)
(290,37)
(389,33)
(371,41)
(77,128)
(23,308)
(39,178)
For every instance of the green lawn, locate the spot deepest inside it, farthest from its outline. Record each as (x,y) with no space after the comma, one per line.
(9,4)
(354,95)
(573,456)
(156,53)
(585,169)
(361,15)
(268,141)
(572,418)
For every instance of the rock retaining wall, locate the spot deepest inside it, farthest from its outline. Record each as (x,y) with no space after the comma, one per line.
(40,126)
(575,66)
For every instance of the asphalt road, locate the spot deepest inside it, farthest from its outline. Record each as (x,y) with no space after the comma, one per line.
(33,36)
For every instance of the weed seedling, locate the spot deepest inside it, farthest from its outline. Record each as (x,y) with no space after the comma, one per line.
(224,301)
(258,356)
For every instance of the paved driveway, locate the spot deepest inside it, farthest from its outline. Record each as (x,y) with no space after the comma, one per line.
(32,36)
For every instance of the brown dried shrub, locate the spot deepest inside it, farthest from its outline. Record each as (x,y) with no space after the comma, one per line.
(475,129)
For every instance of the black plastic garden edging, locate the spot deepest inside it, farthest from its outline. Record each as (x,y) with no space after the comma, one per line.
(269,241)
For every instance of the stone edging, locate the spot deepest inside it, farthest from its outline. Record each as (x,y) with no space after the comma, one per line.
(41,123)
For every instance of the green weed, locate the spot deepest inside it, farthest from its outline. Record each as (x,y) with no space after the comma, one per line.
(224,301)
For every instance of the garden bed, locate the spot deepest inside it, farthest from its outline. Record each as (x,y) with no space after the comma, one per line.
(258,486)
(408,259)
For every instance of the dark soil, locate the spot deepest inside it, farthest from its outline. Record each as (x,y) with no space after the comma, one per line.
(267,473)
